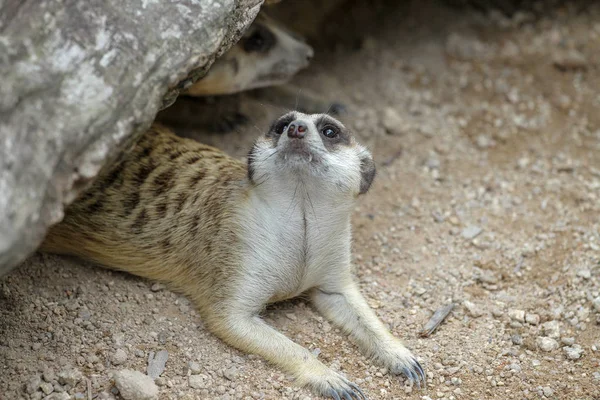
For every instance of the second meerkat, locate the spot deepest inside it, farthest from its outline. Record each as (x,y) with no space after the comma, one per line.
(235,237)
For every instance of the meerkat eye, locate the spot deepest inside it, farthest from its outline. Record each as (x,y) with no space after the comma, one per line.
(330,132)
(261,40)
(279,129)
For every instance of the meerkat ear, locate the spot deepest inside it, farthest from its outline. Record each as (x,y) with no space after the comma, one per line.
(367,171)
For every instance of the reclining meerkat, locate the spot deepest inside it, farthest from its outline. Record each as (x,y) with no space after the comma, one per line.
(267,55)
(235,237)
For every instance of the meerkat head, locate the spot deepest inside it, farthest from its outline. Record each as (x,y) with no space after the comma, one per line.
(266,55)
(316,149)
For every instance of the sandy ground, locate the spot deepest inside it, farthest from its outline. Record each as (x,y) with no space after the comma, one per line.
(487,135)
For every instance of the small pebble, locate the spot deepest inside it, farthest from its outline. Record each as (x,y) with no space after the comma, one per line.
(516,339)
(69,376)
(46,387)
(551,329)
(532,319)
(474,310)
(584,273)
(548,391)
(197,381)
(393,123)
(568,341)
(471,232)
(546,343)
(517,315)
(596,304)
(231,373)
(573,352)
(157,287)
(133,385)
(119,357)
(195,368)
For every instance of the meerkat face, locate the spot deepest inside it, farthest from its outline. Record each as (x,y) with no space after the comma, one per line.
(267,54)
(317,149)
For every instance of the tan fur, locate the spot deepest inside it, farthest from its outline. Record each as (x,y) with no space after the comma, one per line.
(143,216)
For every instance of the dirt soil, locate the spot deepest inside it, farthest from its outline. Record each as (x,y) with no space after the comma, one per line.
(486,131)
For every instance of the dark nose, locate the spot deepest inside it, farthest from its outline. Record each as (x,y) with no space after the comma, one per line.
(297,130)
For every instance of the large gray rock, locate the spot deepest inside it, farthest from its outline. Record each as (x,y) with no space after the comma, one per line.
(80,79)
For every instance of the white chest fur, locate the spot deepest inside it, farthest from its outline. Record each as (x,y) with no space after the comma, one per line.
(295,237)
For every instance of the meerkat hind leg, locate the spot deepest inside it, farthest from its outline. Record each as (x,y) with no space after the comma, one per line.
(346,307)
(248,332)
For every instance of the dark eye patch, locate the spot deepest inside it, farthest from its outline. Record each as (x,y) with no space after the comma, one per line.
(278,127)
(260,40)
(341,137)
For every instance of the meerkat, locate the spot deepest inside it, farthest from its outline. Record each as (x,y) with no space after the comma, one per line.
(234,237)
(267,54)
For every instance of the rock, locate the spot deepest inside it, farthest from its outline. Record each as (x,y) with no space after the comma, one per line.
(49,375)
(517,315)
(157,287)
(573,352)
(33,384)
(69,376)
(487,276)
(546,343)
(393,123)
(570,59)
(474,310)
(157,363)
(80,81)
(230,373)
(551,329)
(517,339)
(471,232)
(58,396)
(119,357)
(46,387)
(463,47)
(596,304)
(548,392)
(584,273)
(532,319)
(568,341)
(195,368)
(133,385)
(197,381)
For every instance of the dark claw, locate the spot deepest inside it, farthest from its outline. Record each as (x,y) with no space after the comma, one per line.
(358,391)
(411,375)
(421,372)
(415,373)
(333,393)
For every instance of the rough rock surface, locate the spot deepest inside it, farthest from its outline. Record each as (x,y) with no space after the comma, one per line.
(79,80)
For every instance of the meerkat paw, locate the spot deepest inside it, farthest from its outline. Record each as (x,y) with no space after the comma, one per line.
(333,385)
(403,362)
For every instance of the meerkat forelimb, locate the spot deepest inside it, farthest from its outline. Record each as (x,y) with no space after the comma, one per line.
(236,237)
